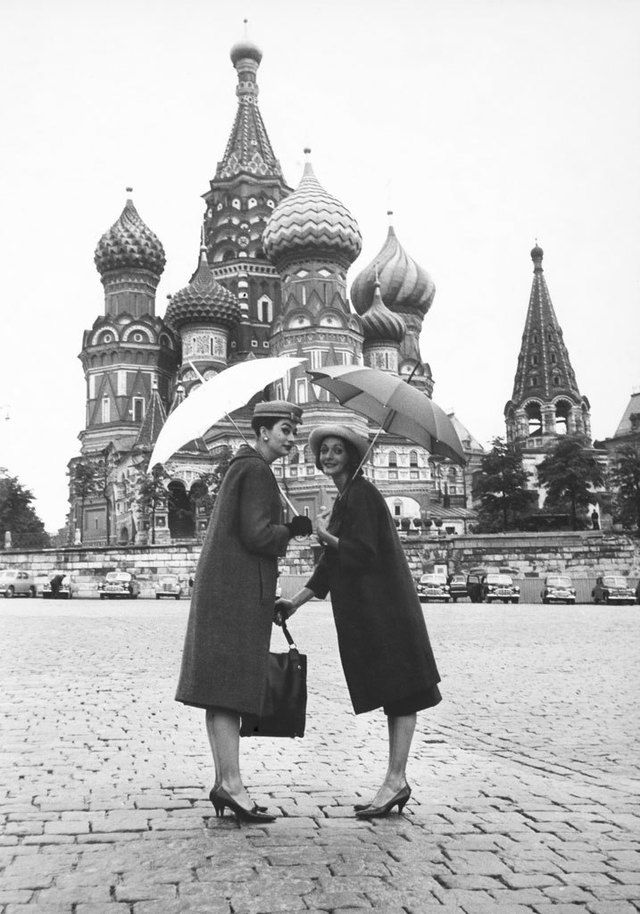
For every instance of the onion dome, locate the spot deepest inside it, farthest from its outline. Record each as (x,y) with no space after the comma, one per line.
(536,255)
(404,285)
(203,300)
(312,223)
(129,244)
(244,49)
(379,324)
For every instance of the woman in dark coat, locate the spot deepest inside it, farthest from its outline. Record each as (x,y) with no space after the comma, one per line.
(384,647)
(226,649)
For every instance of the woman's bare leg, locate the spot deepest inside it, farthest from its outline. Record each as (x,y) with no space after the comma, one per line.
(401,730)
(224,727)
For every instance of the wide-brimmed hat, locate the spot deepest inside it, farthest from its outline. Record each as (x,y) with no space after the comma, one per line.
(277,409)
(318,435)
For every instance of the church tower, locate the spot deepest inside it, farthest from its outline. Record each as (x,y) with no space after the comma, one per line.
(128,350)
(546,401)
(247,187)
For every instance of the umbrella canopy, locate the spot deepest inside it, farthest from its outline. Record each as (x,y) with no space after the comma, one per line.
(215,398)
(396,406)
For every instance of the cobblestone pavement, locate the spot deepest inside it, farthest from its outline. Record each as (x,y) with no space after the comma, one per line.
(525,779)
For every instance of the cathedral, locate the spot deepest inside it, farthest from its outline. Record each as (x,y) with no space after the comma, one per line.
(270,280)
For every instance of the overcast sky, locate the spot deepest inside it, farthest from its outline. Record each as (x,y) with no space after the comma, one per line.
(484,124)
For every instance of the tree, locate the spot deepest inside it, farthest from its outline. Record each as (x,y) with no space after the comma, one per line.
(152,493)
(501,486)
(569,474)
(18,516)
(625,479)
(83,485)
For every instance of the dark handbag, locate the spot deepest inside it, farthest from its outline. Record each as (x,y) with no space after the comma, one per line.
(285,703)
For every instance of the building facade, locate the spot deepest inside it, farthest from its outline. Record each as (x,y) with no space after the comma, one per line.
(271,279)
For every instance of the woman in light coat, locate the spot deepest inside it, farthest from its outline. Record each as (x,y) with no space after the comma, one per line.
(226,649)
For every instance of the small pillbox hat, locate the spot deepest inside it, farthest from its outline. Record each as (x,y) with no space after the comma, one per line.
(277,409)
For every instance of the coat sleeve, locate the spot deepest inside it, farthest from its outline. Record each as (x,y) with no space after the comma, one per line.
(258,533)
(358,537)
(319,580)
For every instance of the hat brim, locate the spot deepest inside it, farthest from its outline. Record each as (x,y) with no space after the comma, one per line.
(318,435)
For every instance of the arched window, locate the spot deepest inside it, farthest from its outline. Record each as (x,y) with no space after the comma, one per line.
(413,458)
(393,459)
(562,417)
(534,418)
(307,454)
(252,203)
(235,203)
(294,455)
(265,309)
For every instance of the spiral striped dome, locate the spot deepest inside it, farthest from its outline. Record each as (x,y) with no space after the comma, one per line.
(203,300)
(404,285)
(379,324)
(311,223)
(129,243)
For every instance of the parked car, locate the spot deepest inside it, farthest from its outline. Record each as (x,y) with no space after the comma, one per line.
(497,587)
(433,587)
(14,582)
(613,588)
(169,586)
(119,585)
(62,591)
(457,586)
(558,588)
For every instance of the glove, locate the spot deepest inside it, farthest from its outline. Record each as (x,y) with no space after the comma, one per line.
(300,526)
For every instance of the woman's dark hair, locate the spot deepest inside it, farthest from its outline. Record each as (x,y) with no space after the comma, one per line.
(352,454)
(267,422)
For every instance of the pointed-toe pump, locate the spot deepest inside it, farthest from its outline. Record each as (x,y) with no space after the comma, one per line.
(399,800)
(221,799)
(256,808)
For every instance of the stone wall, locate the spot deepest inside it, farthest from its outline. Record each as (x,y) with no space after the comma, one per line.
(533,555)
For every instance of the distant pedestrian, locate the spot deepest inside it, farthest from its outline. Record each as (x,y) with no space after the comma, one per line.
(56,584)
(384,647)
(226,649)
(595,520)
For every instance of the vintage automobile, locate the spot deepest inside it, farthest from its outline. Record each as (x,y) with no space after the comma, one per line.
(14,582)
(613,588)
(499,586)
(433,587)
(558,588)
(58,586)
(457,586)
(169,586)
(119,585)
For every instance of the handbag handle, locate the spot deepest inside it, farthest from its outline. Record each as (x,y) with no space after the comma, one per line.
(287,635)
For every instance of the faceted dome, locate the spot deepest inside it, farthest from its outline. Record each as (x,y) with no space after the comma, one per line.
(204,300)
(404,285)
(537,253)
(129,243)
(312,223)
(379,324)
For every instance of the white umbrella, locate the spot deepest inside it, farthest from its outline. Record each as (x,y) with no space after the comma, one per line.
(215,398)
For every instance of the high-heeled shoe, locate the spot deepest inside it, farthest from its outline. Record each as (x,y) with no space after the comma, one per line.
(220,799)
(256,808)
(399,800)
